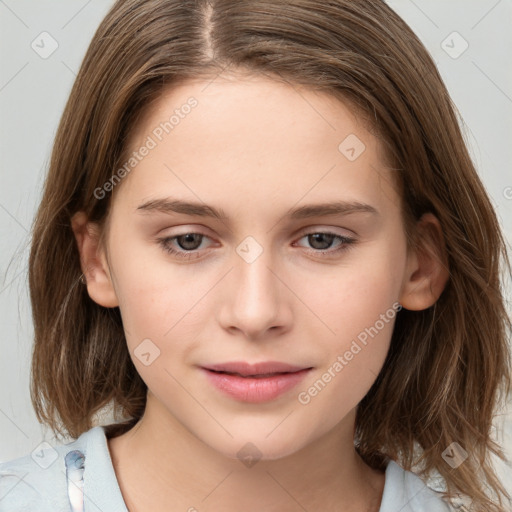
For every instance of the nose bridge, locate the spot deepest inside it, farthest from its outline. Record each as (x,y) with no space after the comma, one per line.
(254,277)
(255,303)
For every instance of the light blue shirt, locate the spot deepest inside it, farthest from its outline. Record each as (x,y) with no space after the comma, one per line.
(52,480)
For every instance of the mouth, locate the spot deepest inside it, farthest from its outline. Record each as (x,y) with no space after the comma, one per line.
(255,370)
(260,382)
(255,376)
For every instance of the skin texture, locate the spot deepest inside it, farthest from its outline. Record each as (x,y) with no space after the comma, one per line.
(255,148)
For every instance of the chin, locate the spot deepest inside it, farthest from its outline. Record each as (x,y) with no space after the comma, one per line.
(250,447)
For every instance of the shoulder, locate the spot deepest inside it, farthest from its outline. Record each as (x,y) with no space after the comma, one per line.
(405,491)
(38,481)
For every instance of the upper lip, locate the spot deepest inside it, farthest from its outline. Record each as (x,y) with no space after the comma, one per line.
(244,369)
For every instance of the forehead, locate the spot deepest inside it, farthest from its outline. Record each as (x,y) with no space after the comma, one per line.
(257,138)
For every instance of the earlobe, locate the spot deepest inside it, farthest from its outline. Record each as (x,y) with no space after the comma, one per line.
(93,261)
(427,270)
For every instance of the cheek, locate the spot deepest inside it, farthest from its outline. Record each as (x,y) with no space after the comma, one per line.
(355,294)
(165,303)
(150,297)
(361,311)
(359,304)
(155,308)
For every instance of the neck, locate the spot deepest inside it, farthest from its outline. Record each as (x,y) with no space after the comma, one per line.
(159,462)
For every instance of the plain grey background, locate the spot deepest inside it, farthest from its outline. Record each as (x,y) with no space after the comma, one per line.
(42,43)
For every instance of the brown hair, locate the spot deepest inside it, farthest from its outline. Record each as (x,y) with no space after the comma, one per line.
(448,366)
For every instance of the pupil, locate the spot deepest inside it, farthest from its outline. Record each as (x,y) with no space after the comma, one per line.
(190,241)
(319,237)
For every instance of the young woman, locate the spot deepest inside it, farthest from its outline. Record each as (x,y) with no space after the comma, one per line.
(262,241)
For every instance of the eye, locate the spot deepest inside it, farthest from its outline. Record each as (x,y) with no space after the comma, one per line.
(187,244)
(321,242)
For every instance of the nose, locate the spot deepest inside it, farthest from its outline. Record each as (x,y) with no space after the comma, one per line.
(255,299)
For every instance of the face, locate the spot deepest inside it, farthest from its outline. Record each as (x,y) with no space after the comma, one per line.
(274,276)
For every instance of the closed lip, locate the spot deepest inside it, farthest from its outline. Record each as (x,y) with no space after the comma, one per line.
(247,369)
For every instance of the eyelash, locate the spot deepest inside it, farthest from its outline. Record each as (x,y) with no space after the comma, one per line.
(346,244)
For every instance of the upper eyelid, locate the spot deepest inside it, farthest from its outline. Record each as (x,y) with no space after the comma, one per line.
(302,231)
(314,229)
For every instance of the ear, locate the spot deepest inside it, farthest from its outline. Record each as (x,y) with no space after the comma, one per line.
(93,261)
(427,271)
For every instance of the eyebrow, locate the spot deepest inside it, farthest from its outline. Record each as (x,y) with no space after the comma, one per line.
(171,205)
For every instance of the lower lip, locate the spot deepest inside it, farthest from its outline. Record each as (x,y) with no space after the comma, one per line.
(247,389)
